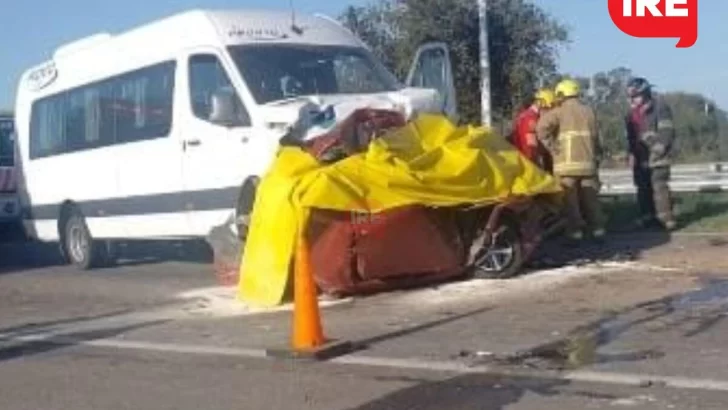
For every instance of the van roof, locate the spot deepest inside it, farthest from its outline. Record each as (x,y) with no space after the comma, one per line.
(231,27)
(196,28)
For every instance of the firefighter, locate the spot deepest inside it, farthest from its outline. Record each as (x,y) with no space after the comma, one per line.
(650,135)
(524,129)
(569,131)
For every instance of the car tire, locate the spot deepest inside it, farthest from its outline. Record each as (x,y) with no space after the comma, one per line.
(79,247)
(505,258)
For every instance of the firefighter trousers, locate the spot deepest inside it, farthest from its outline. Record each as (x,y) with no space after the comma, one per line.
(584,211)
(653,194)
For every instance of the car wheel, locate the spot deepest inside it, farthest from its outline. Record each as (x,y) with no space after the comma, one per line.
(78,245)
(503,257)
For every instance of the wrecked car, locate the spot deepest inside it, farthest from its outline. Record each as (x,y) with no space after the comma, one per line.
(384,206)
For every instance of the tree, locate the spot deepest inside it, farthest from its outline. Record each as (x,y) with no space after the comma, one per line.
(374,25)
(523,42)
(699,130)
(607,94)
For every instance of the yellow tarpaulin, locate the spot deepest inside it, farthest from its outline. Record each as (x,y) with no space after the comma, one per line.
(429,162)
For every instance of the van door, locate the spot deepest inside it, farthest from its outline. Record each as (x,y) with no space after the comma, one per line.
(149,175)
(432,68)
(219,146)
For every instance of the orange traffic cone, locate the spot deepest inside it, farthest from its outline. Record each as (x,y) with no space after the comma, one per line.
(308,333)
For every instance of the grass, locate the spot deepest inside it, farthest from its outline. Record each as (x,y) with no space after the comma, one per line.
(696,212)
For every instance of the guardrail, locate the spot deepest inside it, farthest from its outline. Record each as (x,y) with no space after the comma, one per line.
(715,167)
(691,186)
(709,177)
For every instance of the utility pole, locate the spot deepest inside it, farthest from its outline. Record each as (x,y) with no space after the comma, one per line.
(484,64)
(710,112)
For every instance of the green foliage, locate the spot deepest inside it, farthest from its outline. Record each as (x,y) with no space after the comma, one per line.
(374,25)
(523,44)
(523,41)
(699,130)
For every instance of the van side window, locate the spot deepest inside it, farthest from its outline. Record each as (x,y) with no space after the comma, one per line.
(143,103)
(129,107)
(48,127)
(212,94)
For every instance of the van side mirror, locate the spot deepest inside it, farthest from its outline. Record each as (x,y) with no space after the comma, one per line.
(224,109)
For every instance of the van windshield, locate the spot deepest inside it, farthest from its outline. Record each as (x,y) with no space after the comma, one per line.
(7,146)
(276,72)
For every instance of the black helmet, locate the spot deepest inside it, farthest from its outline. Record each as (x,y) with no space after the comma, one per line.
(639,86)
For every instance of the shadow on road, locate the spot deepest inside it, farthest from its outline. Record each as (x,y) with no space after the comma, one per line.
(558,252)
(22,349)
(20,256)
(419,328)
(477,392)
(35,327)
(147,252)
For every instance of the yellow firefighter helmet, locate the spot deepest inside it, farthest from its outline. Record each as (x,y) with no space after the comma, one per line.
(545,98)
(567,88)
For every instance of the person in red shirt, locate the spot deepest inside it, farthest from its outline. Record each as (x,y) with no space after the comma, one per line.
(524,129)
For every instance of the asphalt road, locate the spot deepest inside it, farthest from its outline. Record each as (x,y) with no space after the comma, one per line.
(96,379)
(109,367)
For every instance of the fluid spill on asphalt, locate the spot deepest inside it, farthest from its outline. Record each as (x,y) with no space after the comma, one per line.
(713,291)
(700,310)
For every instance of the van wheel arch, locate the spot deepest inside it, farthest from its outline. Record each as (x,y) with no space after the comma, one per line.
(227,243)
(244,205)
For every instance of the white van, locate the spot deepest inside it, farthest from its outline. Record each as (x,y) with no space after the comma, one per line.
(163,130)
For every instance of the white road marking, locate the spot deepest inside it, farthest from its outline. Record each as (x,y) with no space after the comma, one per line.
(633,401)
(629,379)
(626,379)
(176,348)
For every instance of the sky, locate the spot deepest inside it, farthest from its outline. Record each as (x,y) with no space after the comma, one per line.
(32,30)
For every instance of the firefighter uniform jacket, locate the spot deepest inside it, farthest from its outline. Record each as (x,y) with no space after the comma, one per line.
(570,133)
(651,134)
(525,124)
